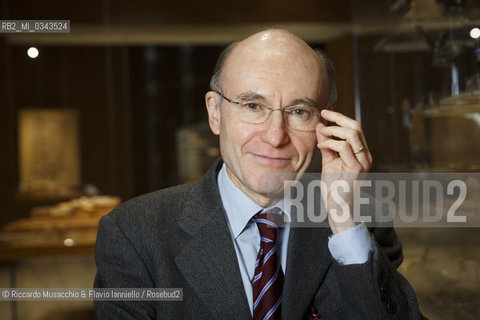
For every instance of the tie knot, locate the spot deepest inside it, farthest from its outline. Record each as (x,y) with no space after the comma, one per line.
(268,223)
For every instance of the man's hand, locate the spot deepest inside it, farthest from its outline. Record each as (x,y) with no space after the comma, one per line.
(343,161)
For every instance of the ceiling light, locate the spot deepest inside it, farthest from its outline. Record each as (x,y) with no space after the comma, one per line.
(475,33)
(32,52)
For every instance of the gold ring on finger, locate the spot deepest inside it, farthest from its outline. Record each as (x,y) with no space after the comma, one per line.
(358,151)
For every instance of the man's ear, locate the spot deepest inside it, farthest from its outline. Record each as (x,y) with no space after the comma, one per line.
(213,111)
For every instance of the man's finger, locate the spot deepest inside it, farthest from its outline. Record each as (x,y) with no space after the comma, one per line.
(353,137)
(344,121)
(340,119)
(345,151)
(327,154)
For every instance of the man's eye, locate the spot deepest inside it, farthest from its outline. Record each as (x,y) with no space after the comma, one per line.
(301,112)
(252,106)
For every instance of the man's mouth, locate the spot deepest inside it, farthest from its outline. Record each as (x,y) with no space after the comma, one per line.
(271,160)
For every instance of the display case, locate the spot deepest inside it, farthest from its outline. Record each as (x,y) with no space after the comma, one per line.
(417,83)
(418,98)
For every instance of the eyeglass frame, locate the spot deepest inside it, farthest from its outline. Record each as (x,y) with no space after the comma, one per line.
(284,112)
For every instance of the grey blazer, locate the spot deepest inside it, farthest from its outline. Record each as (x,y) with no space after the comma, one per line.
(179,238)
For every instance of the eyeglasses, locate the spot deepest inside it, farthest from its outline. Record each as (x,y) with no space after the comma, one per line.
(298,117)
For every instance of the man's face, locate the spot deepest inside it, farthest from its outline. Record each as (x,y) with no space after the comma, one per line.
(280,71)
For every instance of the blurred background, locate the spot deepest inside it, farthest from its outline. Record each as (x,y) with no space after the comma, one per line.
(115,108)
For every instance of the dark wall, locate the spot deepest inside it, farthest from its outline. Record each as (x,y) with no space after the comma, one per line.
(7,149)
(168,85)
(89,80)
(178,12)
(131,101)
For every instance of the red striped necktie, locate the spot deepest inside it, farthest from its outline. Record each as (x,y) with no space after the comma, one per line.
(268,279)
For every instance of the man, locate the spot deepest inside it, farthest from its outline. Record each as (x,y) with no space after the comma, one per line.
(214,238)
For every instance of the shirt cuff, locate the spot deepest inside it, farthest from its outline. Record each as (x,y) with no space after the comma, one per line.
(351,246)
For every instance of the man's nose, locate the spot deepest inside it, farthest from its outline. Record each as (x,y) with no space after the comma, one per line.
(275,131)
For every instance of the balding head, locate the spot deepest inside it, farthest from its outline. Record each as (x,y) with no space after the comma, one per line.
(278,46)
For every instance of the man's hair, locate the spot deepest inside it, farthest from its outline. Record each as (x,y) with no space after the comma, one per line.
(332,88)
(217,71)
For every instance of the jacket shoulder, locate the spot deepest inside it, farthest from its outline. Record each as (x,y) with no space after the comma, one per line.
(152,206)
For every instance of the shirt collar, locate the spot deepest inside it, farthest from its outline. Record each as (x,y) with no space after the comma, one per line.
(238,206)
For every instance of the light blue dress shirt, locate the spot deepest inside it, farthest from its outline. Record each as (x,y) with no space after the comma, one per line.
(347,247)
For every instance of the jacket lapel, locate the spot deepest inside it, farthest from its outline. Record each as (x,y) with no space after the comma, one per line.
(307,263)
(208,261)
